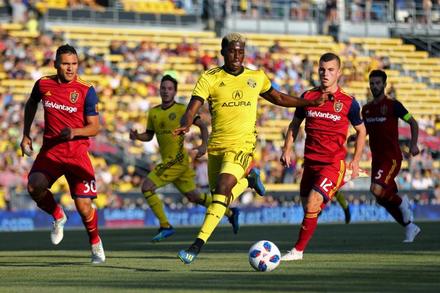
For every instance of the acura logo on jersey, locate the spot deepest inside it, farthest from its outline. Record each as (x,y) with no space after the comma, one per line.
(338,106)
(74,97)
(172,116)
(237,95)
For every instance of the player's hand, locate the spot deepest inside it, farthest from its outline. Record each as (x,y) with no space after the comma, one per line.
(26,146)
(67,133)
(181,130)
(201,150)
(133,134)
(414,150)
(354,167)
(286,159)
(319,101)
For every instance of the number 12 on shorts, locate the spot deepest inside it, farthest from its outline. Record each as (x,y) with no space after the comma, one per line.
(326,184)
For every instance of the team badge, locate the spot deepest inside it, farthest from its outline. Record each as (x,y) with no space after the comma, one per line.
(161,125)
(384,110)
(172,116)
(338,106)
(237,95)
(74,97)
(251,83)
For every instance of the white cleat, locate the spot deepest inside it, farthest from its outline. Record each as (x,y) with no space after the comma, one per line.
(412,230)
(292,255)
(405,207)
(98,255)
(57,233)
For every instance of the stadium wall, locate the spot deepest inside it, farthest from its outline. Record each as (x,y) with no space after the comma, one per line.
(28,220)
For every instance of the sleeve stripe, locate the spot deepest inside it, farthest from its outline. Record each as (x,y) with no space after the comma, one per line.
(407,117)
(267,90)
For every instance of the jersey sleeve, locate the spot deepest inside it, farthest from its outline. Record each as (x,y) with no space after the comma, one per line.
(354,114)
(150,124)
(35,94)
(201,90)
(400,111)
(300,112)
(267,84)
(91,103)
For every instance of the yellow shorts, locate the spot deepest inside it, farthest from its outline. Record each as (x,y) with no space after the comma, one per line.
(231,162)
(182,176)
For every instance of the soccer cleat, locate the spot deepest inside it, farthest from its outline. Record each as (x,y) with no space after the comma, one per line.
(233,219)
(405,207)
(187,257)
(292,255)
(254,181)
(412,230)
(57,233)
(98,255)
(163,233)
(347,214)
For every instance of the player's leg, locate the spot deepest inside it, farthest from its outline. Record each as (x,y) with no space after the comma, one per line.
(340,198)
(384,188)
(155,179)
(324,182)
(38,188)
(82,183)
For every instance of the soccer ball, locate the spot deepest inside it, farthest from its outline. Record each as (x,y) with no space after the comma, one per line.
(264,256)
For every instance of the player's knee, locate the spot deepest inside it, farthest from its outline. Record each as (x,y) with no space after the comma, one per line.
(377,190)
(314,201)
(223,189)
(37,185)
(147,187)
(193,197)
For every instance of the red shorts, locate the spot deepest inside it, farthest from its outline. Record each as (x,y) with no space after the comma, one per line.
(383,173)
(77,169)
(324,178)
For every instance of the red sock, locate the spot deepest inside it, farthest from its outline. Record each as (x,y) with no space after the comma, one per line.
(48,204)
(390,204)
(92,227)
(308,227)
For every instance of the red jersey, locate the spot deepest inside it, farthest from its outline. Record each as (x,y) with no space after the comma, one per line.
(327,125)
(65,105)
(381,122)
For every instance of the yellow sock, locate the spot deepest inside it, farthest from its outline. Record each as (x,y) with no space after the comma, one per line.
(214,214)
(341,199)
(206,199)
(156,206)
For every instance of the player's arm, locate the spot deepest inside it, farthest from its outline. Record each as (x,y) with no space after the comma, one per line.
(201,149)
(30,110)
(361,134)
(281,99)
(91,124)
(144,136)
(188,118)
(403,113)
(291,135)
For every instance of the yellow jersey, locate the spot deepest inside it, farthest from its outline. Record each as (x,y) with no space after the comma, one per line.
(163,122)
(232,101)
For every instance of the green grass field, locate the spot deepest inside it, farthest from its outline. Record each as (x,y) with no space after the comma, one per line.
(340,258)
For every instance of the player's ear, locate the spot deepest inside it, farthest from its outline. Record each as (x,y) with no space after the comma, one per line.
(223,52)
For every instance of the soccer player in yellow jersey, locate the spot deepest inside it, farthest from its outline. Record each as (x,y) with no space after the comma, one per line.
(175,167)
(232,92)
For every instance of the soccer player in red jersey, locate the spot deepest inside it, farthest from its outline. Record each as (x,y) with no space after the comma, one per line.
(381,117)
(71,117)
(324,153)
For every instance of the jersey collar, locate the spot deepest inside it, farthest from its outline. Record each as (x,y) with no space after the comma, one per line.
(236,74)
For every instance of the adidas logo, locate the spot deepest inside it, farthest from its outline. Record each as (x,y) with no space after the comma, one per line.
(222,84)
(48,93)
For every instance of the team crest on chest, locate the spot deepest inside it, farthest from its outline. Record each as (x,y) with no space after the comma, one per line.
(252,83)
(74,97)
(172,116)
(338,106)
(383,110)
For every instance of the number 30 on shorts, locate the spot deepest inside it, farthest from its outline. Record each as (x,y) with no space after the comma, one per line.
(89,186)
